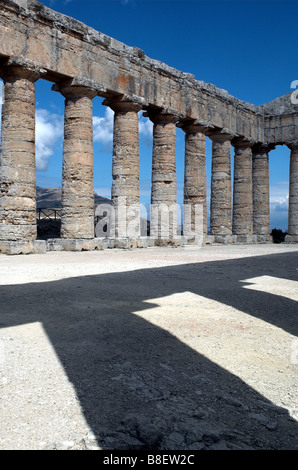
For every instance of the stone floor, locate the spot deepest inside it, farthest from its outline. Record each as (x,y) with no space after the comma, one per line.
(177,348)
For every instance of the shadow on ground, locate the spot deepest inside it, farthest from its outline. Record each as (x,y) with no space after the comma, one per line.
(139,386)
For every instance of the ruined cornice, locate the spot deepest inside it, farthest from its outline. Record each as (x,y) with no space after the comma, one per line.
(133,74)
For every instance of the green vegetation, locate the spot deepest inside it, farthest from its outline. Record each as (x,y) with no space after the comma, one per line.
(278,235)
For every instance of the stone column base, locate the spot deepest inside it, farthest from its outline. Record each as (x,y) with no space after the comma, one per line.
(131,243)
(246,239)
(167,242)
(77,244)
(97,244)
(221,239)
(263,238)
(195,240)
(291,239)
(22,247)
(225,239)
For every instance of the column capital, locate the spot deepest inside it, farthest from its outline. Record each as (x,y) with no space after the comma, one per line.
(192,126)
(242,142)
(122,105)
(160,116)
(16,68)
(69,90)
(219,135)
(262,148)
(292,145)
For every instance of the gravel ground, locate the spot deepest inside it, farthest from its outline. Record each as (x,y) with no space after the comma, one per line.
(168,349)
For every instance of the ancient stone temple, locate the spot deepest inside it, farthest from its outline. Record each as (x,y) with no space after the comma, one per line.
(36,43)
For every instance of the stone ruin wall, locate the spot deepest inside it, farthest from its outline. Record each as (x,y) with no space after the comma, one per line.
(83,62)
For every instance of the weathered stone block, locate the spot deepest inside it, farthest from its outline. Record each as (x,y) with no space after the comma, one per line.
(22,247)
(40,247)
(225,239)
(246,239)
(291,239)
(195,240)
(54,244)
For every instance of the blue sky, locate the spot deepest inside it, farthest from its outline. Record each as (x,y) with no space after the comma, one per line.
(248,48)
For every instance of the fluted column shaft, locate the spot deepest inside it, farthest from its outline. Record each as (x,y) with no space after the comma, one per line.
(163,222)
(77,219)
(221,192)
(125,170)
(242,194)
(195,182)
(293,194)
(261,201)
(17,160)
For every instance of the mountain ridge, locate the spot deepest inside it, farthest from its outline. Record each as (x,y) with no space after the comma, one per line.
(50,198)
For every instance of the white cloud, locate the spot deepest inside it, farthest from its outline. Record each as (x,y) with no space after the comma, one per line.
(49,129)
(280,205)
(279,196)
(103,127)
(103,191)
(279,201)
(145,127)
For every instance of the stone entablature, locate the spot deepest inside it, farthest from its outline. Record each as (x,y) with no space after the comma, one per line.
(68,49)
(280,120)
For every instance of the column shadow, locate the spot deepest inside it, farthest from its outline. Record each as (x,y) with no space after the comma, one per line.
(139,386)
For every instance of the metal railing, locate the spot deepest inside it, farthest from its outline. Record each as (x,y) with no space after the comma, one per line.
(50,214)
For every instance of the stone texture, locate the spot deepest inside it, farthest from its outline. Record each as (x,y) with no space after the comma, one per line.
(293,195)
(77,219)
(98,244)
(242,191)
(17,160)
(22,3)
(125,171)
(280,118)
(22,247)
(195,182)
(66,47)
(221,192)
(261,202)
(163,221)
(68,244)
(37,41)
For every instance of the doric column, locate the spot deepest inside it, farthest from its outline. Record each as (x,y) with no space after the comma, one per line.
(17,160)
(293,195)
(126,184)
(221,192)
(77,220)
(261,201)
(195,182)
(163,220)
(242,193)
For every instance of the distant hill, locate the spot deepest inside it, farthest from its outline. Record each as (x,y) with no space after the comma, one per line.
(50,198)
